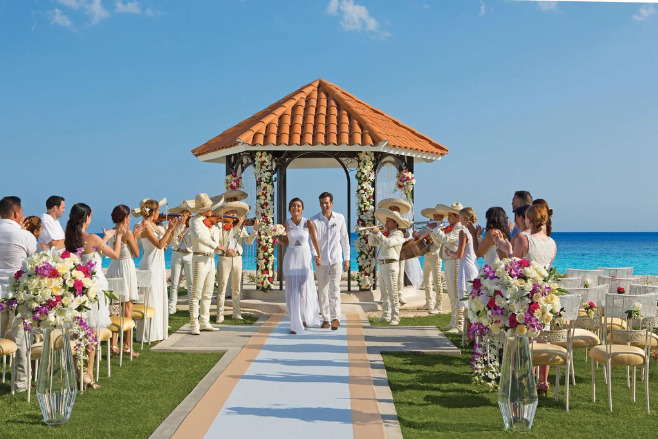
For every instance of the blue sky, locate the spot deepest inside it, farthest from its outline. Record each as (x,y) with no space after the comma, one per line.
(103,100)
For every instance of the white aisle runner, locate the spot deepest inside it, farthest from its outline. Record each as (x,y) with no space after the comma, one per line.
(297,387)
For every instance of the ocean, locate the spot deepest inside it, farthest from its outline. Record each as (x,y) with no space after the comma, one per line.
(574,250)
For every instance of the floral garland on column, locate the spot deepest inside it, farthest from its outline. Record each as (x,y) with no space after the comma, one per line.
(264,211)
(405,183)
(233,182)
(365,211)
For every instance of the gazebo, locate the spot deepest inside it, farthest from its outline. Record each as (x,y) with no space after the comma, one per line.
(319,125)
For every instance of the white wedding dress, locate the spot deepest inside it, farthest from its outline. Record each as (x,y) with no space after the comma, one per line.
(468,270)
(153,259)
(301,294)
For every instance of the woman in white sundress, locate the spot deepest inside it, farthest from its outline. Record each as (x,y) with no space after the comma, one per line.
(301,294)
(124,268)
(154,240)
(486,247)
(76,237)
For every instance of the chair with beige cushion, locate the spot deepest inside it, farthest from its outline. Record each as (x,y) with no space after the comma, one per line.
(620,350)
(141,309)
(120,323)
(550,353)
(103,334)
(7,349)
(589,276)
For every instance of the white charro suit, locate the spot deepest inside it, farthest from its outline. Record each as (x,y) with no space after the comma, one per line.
(231,267)
(388,258)
(204,242)
(432,277)
(449,241)
(181,261)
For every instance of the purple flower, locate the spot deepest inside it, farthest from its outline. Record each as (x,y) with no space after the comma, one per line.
(43,269)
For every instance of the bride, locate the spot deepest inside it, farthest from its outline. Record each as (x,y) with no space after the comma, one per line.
(301,295)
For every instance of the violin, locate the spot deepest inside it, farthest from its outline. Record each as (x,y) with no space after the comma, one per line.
(166,216)
(230,219)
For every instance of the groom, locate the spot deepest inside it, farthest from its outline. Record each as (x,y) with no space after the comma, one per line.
(333,240)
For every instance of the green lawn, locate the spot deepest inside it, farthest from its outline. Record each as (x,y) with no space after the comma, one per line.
(130,404)
(434,398)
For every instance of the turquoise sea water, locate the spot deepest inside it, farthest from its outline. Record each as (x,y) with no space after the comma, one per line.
(574,250)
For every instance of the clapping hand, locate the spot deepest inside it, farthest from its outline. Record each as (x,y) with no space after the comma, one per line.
(107,234)
(122,229)
(173,222)
(139,228)
(479,230)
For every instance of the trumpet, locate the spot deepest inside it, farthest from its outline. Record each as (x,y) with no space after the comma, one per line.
(361,229)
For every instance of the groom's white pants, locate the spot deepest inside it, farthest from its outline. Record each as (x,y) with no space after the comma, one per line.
(329,290)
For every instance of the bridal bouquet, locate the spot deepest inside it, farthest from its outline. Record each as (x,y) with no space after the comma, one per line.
(52,289)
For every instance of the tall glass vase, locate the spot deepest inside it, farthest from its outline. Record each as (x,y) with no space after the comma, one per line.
(56,381)
(517,394)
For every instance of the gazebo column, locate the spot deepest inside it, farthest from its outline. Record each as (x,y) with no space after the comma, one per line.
(365,210)
(281,214)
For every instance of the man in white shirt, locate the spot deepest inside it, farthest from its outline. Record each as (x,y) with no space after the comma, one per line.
(53,234)
(16,244)
(334,242)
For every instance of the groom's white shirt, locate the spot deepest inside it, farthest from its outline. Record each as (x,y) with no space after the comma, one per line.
(332,238)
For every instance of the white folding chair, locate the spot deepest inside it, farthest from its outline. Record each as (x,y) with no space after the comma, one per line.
(120,323)
(615,282)
(570,282)
(141,309)
(617,271)
(623,348)
(586,275)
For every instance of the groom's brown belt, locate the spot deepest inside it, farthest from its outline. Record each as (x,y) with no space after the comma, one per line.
(387,261)
(208,255)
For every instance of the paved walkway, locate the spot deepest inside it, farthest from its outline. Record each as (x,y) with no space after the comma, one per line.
(318,384)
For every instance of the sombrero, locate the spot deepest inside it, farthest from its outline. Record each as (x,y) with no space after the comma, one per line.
(179,209)
(137,212)
(381,215)
(240,195)
(202,203)
(430,212)
(442,209)
(387,203)
(240,208)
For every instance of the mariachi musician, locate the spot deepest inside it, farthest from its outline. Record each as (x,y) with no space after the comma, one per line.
(181,256)
(402,207)
(432,264)
(232,236)
(205,243)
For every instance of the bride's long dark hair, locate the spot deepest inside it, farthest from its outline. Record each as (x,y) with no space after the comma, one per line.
(73,234)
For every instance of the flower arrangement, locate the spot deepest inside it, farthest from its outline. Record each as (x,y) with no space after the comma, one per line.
(83,337)
(590,309)
(634,312)
(587,283)
(265,211)
(276,230)
(233,182)
(365,211)
(621,290)
(52,289)
(405,182)
(512,297)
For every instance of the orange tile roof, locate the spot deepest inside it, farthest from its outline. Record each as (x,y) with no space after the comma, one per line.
(321,113)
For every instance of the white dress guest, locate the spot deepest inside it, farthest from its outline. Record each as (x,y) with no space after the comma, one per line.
(541,251)
(124,268)
(468,270)
(334,250)
(52,230)
(99,314)
(153,259)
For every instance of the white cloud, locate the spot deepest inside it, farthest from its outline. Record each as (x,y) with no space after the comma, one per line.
(75,4)
(355,17)
(58,17)
(644,12)
(127,7)
(151,12)
(483,9)
(96,11)
(547,6)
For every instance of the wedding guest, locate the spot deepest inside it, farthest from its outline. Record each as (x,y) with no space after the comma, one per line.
(205,243)
(124,268)
(549,221)
(232,236)
(468,269)
(448,238)
(388,257)
(486,248)
(334,243)
(520,224)
(302,245)
(181,257)
(76,237)
(520,198)
(432,264)
(154,240)
(34,225)
(16,244)
(53,234)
